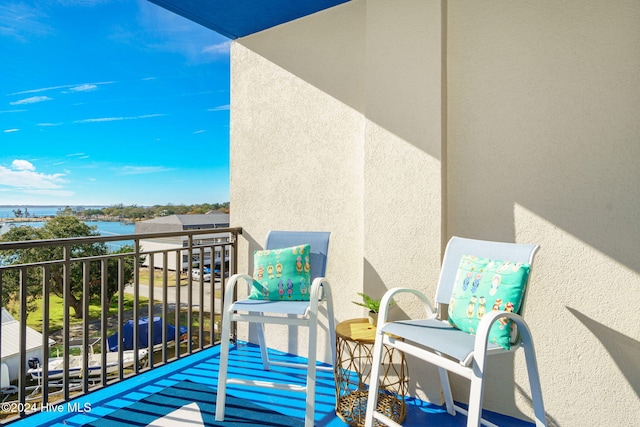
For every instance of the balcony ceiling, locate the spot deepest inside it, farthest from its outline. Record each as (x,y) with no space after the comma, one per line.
(239,18)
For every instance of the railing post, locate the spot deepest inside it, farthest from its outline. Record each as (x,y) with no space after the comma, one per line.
(46,277)
(190,292)
(104,348)
(121,286)
(165,303)
(177,307)
(23,335)
(234,325)
(85,325)
(203,253)
(136,303)
(66,295)
(151,311)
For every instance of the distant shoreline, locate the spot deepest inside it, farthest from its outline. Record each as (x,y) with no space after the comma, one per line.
(30,219)
(100,218)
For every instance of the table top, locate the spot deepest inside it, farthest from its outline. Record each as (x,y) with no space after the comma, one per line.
(359,330)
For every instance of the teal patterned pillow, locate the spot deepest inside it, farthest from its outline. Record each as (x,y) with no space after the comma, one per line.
(483,284)
(282,274)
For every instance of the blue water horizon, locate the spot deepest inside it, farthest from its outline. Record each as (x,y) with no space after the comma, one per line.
(105,228)
(40,211)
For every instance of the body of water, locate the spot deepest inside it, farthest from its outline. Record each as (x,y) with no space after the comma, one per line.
(105,228)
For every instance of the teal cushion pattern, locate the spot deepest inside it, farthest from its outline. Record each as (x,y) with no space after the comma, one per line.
(282,274)
(484,284)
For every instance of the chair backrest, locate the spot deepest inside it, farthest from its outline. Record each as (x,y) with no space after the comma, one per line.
(459,246)
(318,241)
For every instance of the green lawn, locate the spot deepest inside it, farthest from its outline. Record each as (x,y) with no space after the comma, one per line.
(95,309)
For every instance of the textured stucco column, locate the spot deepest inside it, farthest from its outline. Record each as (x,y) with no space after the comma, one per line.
(297,147)
(403,214)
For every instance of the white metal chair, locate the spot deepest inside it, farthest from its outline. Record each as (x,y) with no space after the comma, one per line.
(300,313)
(437,342)
(6,389)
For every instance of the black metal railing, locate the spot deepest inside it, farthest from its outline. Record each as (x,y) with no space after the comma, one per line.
(158,273)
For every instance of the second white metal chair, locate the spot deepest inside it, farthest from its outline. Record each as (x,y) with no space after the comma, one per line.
(450,349)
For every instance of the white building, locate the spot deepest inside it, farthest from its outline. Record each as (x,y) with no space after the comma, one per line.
(173,244)
(11,344)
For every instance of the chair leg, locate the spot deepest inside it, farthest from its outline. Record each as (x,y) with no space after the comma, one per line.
(331,322)
(262,342)
(446,390)
(474,414)
(311,371)
(372,399)
(534,379)
(221,392)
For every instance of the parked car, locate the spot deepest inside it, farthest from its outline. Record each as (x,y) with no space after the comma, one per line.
(195,274)
(217,270)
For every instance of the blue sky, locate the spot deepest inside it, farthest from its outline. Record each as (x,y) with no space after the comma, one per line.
(111,101)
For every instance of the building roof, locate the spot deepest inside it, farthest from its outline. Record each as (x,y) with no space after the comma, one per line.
(239,18)
(6,316)
(11,336)
(182,222)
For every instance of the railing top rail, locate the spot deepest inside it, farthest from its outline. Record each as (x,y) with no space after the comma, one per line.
(27,244)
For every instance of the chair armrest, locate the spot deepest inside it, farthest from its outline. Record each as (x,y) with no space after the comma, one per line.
(387,299)
(482,334)
(230,287)
(320,290)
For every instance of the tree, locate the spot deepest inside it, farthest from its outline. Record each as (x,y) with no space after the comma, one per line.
(62,226)
(11,278)
(113,267)
(93,212)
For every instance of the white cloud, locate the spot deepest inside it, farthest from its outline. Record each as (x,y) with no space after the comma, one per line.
(11,130)
(101,119)
(84,88)
(22,175)
(139,170)
(31,100)
(71,87)
(48,124)
(22,165)
(218,49)
(220,108)
(199,131)
(114,119)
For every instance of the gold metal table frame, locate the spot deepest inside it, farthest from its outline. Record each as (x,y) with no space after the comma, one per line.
(354,346)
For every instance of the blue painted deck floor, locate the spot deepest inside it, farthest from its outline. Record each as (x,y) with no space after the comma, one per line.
(202,368)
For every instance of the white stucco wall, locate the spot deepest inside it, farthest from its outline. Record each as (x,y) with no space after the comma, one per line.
(543,146)
(337,124)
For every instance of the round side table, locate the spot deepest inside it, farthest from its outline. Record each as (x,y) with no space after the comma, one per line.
(354,346)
